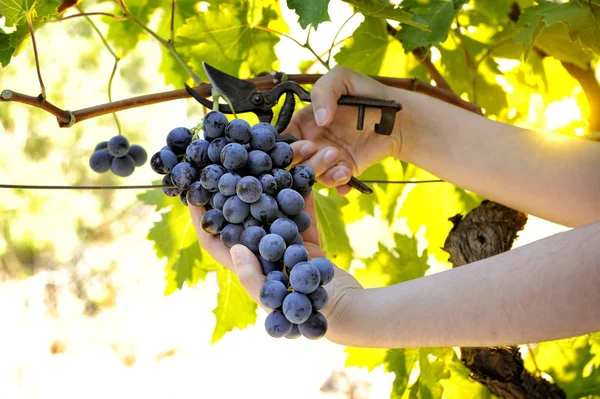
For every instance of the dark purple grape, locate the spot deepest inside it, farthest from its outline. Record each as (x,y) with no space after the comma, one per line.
(259,162)
(314,327)
(277,276)
(171,191)
(299,240)
(290,202)
(238,131)
(265,209)
(269,184)
(272,294)
(297,307)
(183,198)
(122,166)
(234,156)
(210,177)
(294,332)
(214,124)
(198,195)
(228,183)
(178,139)
(213,221)
(100,161)
(318,298)
(283,178)
(183,175)
(305,193)
(249,189)
(302,220)
(197,153)
(217,201)
(277,325)
(118,146)
(231,235)
(103,145)
(268,126)
(326,269)
(251,237)
(163,161)
(272,247)
(268,267)
(250,221)
(305,278)
(235,210)
(286,229)
(303,177)
(262,139)
(139,154)
(282,155)
(294,254)
(215,148)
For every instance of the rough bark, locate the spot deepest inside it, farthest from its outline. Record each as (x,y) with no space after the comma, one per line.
(488,230)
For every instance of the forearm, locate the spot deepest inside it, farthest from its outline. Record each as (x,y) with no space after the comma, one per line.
(550,176)
(543,291)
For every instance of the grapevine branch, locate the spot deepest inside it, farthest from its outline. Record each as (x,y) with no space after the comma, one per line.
(67,118)
(35,53)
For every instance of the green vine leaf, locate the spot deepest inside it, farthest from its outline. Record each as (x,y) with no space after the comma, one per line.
(376,8)
(332,228)
(365,49)
(310,12)
(438,14)
(226,37)
(235,308)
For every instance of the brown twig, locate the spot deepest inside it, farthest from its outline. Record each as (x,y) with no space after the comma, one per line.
(172,37)
(67,118)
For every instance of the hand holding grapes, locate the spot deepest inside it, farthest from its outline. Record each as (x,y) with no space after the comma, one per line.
(246,265)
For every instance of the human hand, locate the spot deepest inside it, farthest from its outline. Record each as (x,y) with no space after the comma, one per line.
(245,264)
(329,141)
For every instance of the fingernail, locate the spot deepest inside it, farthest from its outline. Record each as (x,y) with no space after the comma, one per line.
(238,256)
(306,149)
(321,116)
(340,176)
(330,155)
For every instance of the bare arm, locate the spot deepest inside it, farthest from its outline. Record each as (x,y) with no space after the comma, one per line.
(550,176)
(543,291)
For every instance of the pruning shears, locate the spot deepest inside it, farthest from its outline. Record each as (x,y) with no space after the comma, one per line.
(243,96)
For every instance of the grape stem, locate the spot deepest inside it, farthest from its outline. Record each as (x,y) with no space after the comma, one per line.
(67,118)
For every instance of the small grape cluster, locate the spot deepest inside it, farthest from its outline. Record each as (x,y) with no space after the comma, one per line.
(117,156)
(238,173)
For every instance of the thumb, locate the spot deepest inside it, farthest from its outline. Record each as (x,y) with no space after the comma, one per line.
(325,94)
(248,270)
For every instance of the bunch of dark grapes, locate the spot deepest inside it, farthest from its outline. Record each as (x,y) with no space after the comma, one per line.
(117,156)
(238,173)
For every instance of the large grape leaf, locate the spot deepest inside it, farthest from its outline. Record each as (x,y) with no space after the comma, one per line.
(310,12)
(332,229)
(365,49)
(125,35)
(235,308)
(175,238)
(573,364)
(15,13)
(438,14)
(226,37)
(554,40)
(582,17)
(365,357)
(376,8)
(401,362)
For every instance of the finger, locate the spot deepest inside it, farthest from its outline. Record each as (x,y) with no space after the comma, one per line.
(302,150)
(248,270)
(337,176)
(210,243)
(325,94)
(323,160)
(343,190)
